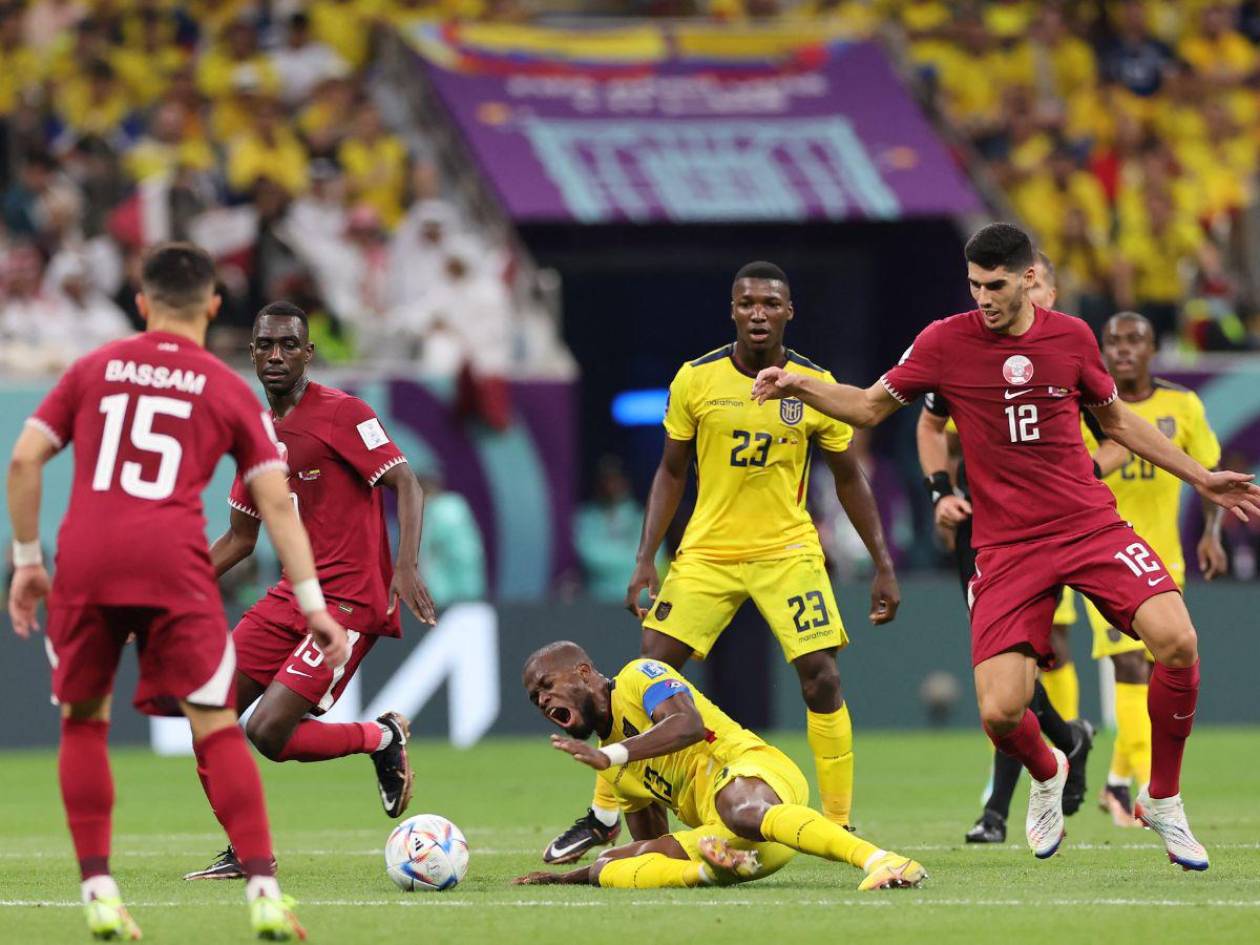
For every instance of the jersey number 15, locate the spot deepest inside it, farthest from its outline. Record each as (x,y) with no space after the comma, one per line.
(144,439)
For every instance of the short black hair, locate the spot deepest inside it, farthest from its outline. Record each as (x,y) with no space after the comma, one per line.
(1048,266)
(177,276)
(1130,316)
(760,269)
(1000,246)
(282,308)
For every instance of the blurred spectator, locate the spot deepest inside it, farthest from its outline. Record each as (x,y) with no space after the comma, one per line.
(375,163)
(269,149)
(302,64)
(606,532)
(452,557)
(417,250)
(26,199)
(171,144)
(85,316)
(1133,58)
(20,68)
(48,20)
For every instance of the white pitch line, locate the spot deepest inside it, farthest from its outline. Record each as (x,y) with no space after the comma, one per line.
(429,902)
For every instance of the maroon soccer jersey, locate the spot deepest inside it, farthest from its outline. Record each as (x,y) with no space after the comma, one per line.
(149,418)
(337,451)
(1016,402)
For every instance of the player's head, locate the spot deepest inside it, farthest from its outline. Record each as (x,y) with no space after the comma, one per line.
(1128,345)
(280,346)
(1045,289)
(1000,271)
(177,284)
(562,681)
(761,306)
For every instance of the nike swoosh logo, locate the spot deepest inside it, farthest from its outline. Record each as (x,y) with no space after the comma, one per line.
(297,672)
(1011,395)
(1151,582)
(1182,718)
(565,851)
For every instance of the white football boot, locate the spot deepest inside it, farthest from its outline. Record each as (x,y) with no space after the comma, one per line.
(1167,817)
(1044,825)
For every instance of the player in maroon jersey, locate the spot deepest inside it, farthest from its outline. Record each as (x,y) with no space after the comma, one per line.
(1014,375)
(338,453)
(149,418)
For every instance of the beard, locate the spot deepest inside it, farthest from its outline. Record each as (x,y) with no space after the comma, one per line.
(582,730)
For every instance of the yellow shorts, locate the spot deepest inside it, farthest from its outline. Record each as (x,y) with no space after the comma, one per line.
(794,595)
(1065,612)
(1108,641)
(785,779)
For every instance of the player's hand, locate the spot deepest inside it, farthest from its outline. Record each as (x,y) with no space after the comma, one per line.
(330,637)
(583,751)
(772,383)
(952,511)
(30,586)
(644,576)
(1212,559)
(407,586)
(1232,490)
(539,878)
(885,596)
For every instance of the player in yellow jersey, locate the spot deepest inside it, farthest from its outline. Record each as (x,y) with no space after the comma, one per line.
(1150,499)
(750,535)
(664,747)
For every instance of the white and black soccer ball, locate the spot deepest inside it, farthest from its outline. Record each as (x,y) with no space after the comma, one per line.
(426,852)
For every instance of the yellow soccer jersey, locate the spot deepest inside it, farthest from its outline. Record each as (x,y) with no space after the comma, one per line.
(678,780)
(1149,497)
(752,461)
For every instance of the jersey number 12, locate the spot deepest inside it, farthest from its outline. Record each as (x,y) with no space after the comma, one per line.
(1021,421)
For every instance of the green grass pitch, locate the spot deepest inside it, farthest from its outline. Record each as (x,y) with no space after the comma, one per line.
(916,793)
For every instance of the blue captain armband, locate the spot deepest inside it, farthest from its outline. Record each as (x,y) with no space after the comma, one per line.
(658,692)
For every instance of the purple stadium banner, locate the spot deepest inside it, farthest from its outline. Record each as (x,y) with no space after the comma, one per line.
(834,137)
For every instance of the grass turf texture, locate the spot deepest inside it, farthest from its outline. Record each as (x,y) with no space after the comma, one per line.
(916,793)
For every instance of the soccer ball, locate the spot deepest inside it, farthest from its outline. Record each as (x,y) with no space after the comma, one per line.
(426,852)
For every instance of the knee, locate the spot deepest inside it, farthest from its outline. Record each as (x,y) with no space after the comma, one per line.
(744,819)
(1180,649)
(267,736)
(999,717)
(820,686)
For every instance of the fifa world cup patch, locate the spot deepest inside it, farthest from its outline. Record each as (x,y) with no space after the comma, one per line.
(791,410)
(308,475)
(652,670)
(372,433)
(663,609)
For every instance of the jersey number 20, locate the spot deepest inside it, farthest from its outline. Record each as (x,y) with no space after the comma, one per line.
(142,438)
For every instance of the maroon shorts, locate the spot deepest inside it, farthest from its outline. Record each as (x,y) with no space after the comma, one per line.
(183,655)
(1013,594)
(272,645)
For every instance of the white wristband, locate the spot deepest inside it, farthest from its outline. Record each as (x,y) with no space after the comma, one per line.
(617,753)
(27,553)
(309,597)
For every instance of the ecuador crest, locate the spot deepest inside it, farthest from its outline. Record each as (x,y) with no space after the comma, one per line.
(791,410)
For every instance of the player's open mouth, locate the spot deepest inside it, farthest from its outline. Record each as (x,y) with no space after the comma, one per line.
(758,334)
(560,715)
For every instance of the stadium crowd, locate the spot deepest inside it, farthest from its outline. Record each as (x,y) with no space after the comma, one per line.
(259,130)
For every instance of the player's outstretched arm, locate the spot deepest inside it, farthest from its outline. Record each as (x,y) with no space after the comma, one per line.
(853,490)
(236,544)
(270,491)
(854,405)
(667,490)
(1230,490)
(25,486)
(406,584)
(676,724)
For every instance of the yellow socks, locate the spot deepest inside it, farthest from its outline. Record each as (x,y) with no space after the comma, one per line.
(1132,753)
(651,871)
(604,803)
(831,740)
(1064,690)
(803,828)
